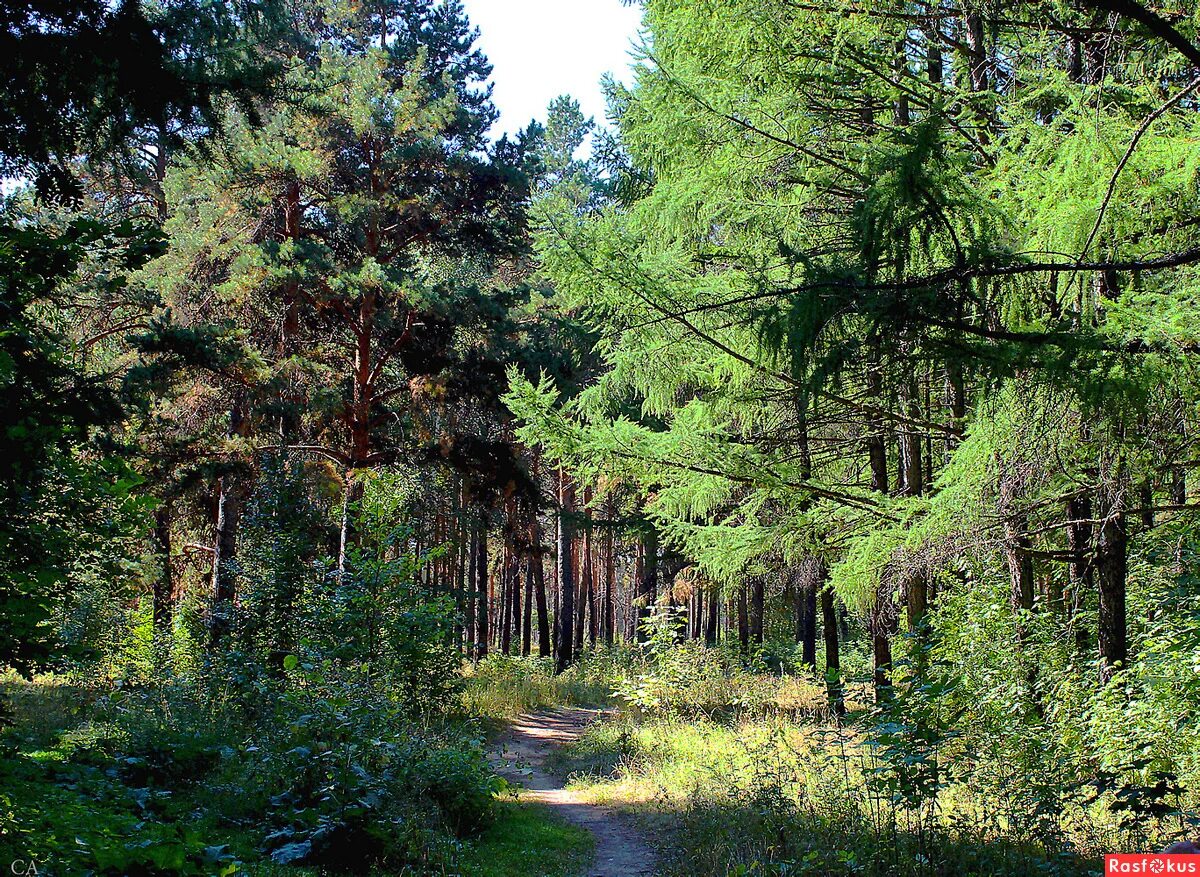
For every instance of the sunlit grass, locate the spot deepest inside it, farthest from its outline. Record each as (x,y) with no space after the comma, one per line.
(526,841)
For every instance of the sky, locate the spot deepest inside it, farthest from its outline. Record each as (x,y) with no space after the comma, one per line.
(540,49)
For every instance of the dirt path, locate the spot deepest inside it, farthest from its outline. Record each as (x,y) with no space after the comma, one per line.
(519,756)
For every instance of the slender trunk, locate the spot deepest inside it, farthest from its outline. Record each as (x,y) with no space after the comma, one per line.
(1020,569)
(585,582)
(591,607)
(882,657)
(1021,594)
(229,513)
(743,619)
(649,583)
(633,590)
(531,559)
(610,575)
(956,405)
(757,609)
(877,457)
(1082,571)
(806,623)
(1111,570)
(481,587)
(507,586)
(164,584)
(350,535)
(230,499)
(833,671)
(566,576)
(539,585)
(1178,486)
(1146,498)
(714,616)
(472,607)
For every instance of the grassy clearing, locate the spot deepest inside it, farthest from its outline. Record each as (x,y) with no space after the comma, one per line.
(777,797)
(502,687)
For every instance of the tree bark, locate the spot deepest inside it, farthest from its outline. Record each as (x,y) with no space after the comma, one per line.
(757,609)
(537,571)
(806,623)
(481,587)
(833,671)
(1111,570)
(648,591)
(164,584)
(1082,570)
(743,619)
(610,575)
(564,639)
(712,622)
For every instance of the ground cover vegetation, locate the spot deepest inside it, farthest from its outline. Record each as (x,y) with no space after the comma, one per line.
(832,424)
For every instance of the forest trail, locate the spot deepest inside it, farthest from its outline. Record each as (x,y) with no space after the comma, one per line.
(519,755)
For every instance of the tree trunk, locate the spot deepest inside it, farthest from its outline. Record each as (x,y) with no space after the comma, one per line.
(482,607)
(508,584)
(649,584)
(806,623)
(585,583)
(1082,571)
(164,584)
(714,616)
(743,619)
(229,514)
(527,616)
(1111,569)
(757,609)
(472,609)
(610,575)
(566,576)
(539,585)
(1020,569)
(833,671)
(956,405)
(350,535)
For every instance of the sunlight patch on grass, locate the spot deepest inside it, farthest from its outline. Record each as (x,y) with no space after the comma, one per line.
(527,841)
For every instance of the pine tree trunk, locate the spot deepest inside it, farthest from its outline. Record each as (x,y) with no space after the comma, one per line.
(806,623)
(506,588)
(757,609)
(634,590)
(1111,571)
(527,614)
(584,548)
(350,536)
(481,587)
(833,671)
(743,619)
(610,576)
(712,622)
(566,576)
(877,458)
(472,593)
(164,584)
(1082,570)
(539,585)
(648,593)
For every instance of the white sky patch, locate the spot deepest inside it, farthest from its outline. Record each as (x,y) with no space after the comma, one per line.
(540,49)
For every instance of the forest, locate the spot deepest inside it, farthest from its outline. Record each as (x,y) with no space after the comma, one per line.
(794,472)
